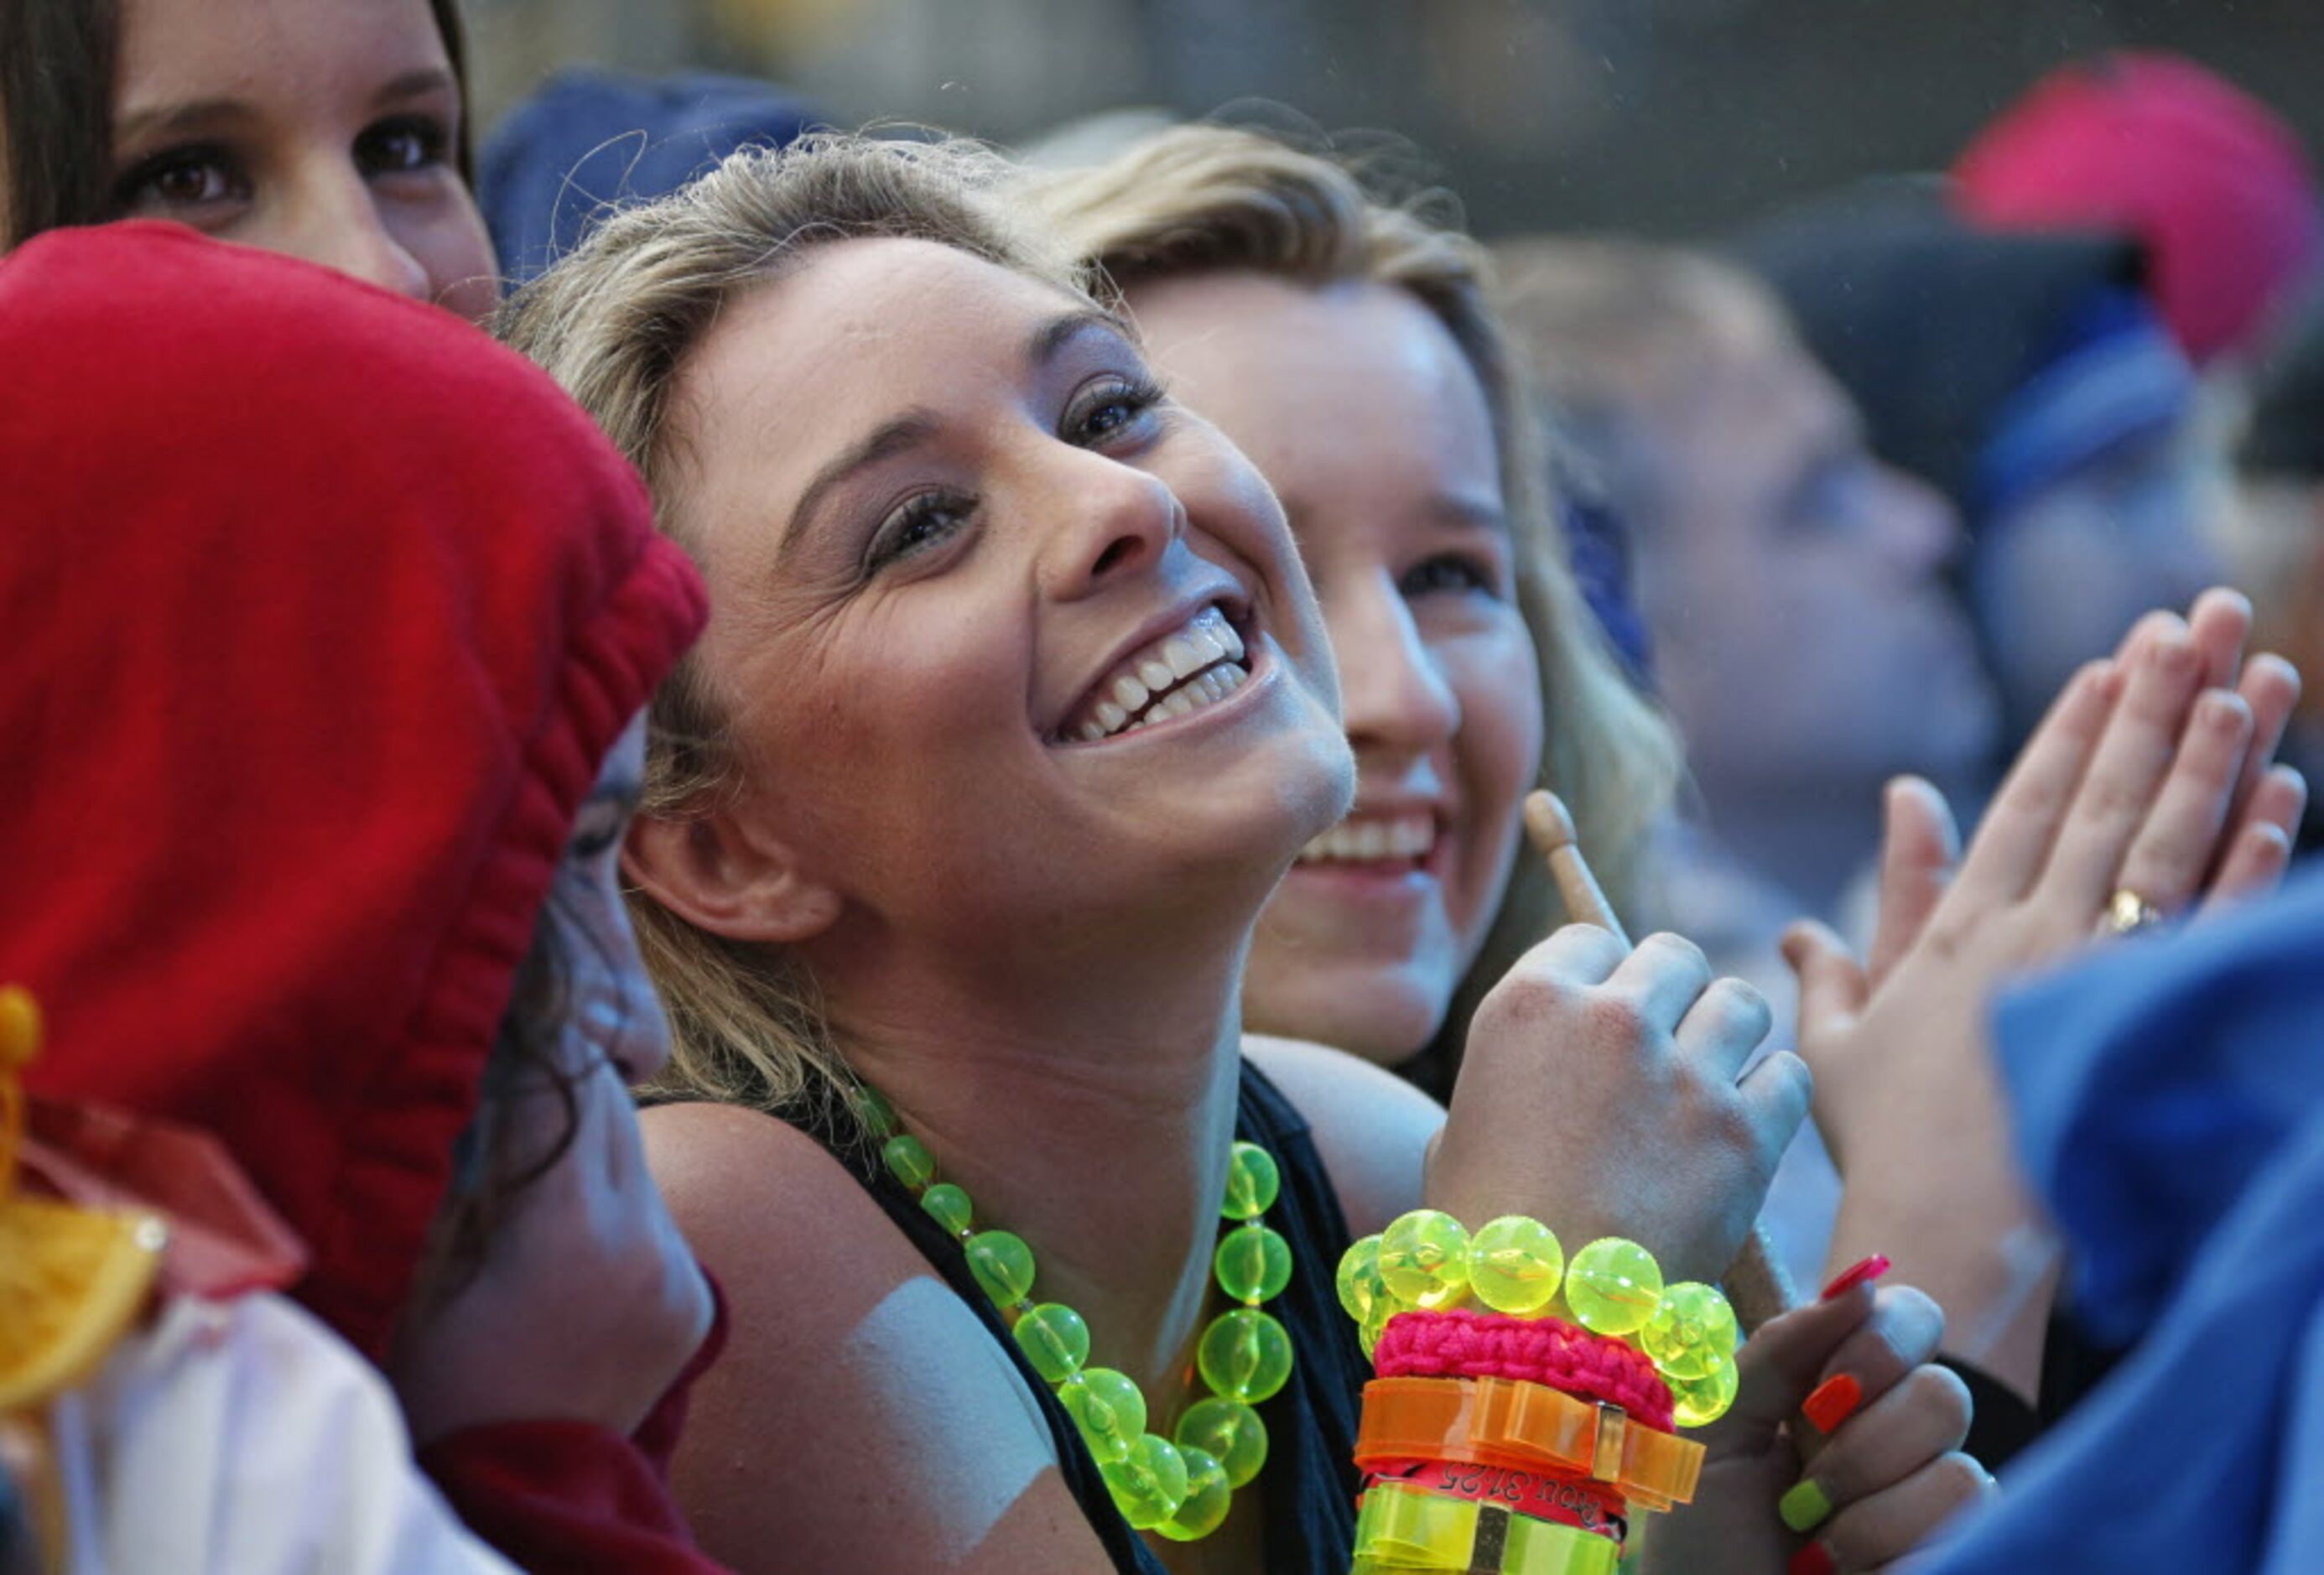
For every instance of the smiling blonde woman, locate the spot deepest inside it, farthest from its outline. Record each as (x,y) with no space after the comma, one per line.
(1014,707)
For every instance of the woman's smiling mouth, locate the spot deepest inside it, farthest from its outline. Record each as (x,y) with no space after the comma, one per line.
(1197,664)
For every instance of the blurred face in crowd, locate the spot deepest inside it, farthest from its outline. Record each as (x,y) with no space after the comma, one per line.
(579,1237)
(1362,412)
(326,129)
(1025,642)
(1804,637)
(2060,577)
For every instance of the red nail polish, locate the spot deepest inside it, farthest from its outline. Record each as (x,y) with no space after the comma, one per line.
(1835,1400)
(1870,1269)
(1811,1559)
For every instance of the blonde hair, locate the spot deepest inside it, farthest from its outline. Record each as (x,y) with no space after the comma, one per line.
(1208,199)
(615,322)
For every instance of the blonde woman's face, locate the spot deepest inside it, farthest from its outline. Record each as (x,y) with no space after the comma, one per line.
(1361,409)
(1018,651)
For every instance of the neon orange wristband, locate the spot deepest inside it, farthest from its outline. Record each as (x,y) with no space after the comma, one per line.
(1502,1422)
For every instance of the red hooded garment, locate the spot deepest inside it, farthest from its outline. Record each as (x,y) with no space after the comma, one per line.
(319,614)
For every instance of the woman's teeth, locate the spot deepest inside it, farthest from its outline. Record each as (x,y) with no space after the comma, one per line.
(1195,665)
(1367,840)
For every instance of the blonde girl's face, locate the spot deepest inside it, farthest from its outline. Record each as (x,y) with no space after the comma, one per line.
(1017,650)
(324,129)
(1361,409)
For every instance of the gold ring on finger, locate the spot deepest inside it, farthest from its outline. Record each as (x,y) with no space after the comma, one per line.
(2127,912)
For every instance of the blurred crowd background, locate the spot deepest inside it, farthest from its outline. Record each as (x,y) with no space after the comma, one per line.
(1672,118)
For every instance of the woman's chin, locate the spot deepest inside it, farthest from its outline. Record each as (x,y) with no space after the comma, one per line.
(1380,1017)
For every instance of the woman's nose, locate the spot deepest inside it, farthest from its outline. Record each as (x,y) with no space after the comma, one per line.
(1114,520)
(1392,688)
(332,219)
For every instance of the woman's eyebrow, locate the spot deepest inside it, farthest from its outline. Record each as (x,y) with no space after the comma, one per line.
(1042,346)
(194,115)
(889,438)
(417,83)
(910,427)
(1469,511)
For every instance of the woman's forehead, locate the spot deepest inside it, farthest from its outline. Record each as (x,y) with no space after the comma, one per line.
(858,338)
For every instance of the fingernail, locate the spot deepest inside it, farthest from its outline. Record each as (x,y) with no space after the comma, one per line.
(1835,1400)
(1806,1507)
(1870,1269)
(1811,1560)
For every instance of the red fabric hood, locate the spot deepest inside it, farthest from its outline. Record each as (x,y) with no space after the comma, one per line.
(320,611)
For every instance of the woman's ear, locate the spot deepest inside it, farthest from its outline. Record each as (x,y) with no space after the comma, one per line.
(719,876)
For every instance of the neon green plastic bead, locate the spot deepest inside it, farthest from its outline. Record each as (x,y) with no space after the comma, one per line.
(1209,1496)
(1697,1401)
(1148,1483)
(1613,1286)
(949,1207)
(908,1161)
(878,1115)
(1515,1265)
(1253,1264)
(1691,1332)
(1228,1431)
(1002,1264)
(1108,1408)
(1376,1325)
(1244,1355)
(1423,1259)
(1358,1282)
(1252,1183)
(1056,1340)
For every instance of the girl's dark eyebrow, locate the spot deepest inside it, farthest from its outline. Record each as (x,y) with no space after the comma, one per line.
(198,114)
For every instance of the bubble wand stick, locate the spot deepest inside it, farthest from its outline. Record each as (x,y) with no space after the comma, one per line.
(1755,1284)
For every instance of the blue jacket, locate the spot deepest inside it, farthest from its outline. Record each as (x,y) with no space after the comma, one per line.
(2170,1102)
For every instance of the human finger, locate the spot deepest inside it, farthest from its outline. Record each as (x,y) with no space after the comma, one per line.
(1920,846)
(2126,773)
(2218,625)
(2172,853)
(2270,686)
(1832,985)
(2255,860)
(2007,854)
(1781,1363)
(1777,1093)
(1726,1023)
(1875,1531)
(1901,1331)
(1573,955)
(1925,1416)
(1663,978)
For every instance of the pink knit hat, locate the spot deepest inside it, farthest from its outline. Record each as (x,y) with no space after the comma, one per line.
(2214,184)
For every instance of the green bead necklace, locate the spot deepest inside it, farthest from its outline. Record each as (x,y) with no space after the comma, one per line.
(1179,1487)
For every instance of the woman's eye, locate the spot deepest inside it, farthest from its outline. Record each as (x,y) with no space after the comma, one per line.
(920,523)
(1112,408)
(1451,572)
(181,178)
(597,832)
(399,146)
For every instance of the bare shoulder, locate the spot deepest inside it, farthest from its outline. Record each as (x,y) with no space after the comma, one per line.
(862,1416)
(1373,1128)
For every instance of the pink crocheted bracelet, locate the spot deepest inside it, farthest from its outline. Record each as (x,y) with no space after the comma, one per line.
(1463,1343)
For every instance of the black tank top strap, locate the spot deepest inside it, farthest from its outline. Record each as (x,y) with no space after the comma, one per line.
(1310,1479)
(1309,1483)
